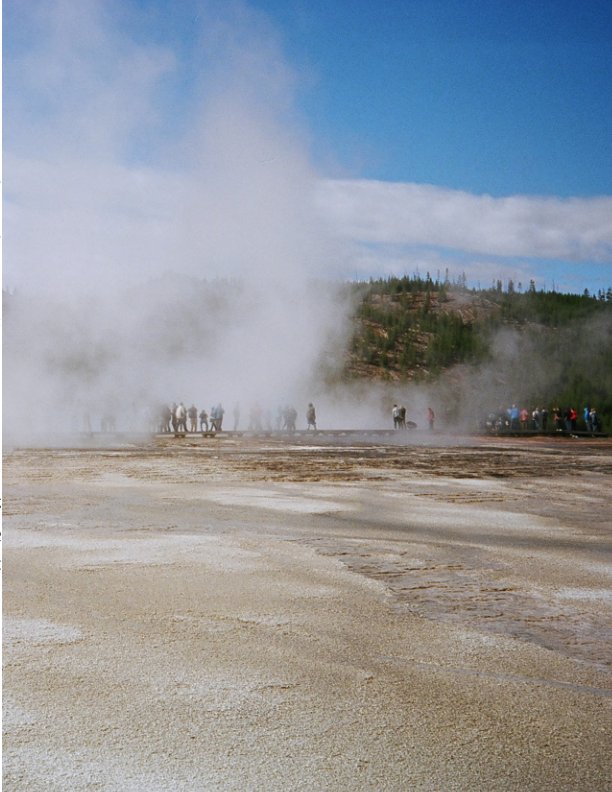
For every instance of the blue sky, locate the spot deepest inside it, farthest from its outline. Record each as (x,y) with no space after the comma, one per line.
(492,97)
(500,98)
(473,136)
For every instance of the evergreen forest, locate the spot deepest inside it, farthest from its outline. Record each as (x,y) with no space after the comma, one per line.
(539,348)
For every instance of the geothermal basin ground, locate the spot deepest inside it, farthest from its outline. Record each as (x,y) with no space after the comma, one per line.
(238,613)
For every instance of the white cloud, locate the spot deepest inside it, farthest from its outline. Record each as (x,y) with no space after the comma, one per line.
(382,213)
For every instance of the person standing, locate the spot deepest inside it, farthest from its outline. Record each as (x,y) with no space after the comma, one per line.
(203,421)
(431,417)
(192,412)
(311,418)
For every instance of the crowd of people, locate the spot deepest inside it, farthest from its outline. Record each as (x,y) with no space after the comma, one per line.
(540,419)
(177,418)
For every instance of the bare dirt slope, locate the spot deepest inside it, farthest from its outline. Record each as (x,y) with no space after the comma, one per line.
(242,615)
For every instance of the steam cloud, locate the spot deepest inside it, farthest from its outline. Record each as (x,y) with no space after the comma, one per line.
(156,264)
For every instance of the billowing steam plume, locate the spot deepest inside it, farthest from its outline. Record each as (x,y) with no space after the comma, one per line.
(154,260)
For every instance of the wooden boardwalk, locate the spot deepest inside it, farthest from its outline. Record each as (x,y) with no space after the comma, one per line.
(322,434)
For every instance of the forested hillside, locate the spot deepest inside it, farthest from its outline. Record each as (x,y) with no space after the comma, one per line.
(531,346)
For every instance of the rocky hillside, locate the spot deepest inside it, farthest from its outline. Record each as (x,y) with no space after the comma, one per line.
(538,345)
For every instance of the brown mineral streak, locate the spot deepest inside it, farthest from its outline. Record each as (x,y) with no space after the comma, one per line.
(255,614)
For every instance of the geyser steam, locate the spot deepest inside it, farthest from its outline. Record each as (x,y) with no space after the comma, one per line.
(151,261)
